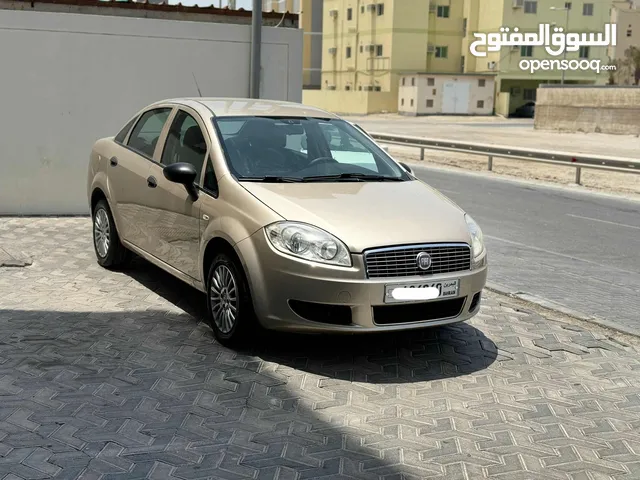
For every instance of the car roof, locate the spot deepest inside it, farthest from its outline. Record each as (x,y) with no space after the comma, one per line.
(228,106)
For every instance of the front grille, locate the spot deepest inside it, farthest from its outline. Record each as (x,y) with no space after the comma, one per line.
(417,312)
(402,261)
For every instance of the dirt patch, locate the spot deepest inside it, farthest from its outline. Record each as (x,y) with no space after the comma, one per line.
(603,181)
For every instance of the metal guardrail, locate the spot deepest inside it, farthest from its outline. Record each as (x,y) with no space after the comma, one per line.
(577,161)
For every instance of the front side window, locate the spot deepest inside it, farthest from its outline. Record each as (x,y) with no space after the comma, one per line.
(302,149)
(185,143)
(146,133)
(122,134)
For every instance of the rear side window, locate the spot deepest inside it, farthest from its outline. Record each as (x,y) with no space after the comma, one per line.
(122,134)
(146,133)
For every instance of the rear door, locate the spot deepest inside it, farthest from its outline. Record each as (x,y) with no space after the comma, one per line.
(174,217)
(128,173)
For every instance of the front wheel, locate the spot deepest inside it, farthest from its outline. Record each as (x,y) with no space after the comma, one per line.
(106,241)
(230,308)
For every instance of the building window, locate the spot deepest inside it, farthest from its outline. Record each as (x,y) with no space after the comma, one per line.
(529,94)
(403,81)
(402,102)
(377,88)
(349,13)
(379,50)
(443,11)
(431,82)
(526,51)
(567,5)
(362,9)
(442,52)
(531,6)
(433,92)
(482,82)
(412,102)
(348,52)
(347,87)
(587,9)
(464,27)
(380,9)
(413,82)
(583,52)
(429,103)
(361,49)
(462,64)
(480,103)
(629,31)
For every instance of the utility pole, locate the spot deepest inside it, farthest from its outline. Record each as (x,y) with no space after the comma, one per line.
(256,43)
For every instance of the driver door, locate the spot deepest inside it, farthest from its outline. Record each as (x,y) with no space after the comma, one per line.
(175,215)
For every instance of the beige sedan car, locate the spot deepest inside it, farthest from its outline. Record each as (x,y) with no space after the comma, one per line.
(286,216)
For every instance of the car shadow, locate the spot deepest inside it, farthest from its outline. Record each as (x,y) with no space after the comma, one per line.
(391,357)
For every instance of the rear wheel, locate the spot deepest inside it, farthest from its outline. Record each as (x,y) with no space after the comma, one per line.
(106,241)
(229,304)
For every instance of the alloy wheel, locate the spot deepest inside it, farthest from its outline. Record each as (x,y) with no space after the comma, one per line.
(224,299)
(102,232)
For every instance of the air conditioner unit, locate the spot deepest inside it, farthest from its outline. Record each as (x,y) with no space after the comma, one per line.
(515,47)
(351,68)
(371,7)
(491,65)
(333,50)
(368,88)
(370,48)
(518,3)
(331,87)
(333,13)
(431,48)
(353,29)
(432,7)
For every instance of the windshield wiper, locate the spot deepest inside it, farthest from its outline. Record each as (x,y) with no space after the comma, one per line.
(271,179)
(353,176)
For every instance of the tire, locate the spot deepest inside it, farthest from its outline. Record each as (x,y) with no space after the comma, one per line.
(112,254)
(225,277)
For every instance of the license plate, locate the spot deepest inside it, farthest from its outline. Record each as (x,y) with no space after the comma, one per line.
(445,289)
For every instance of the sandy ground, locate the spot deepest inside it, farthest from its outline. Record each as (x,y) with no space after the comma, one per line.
(602,181)
(516,133)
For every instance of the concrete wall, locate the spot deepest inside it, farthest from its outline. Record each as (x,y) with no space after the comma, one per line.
(614,110)
(69,79)
(355,103)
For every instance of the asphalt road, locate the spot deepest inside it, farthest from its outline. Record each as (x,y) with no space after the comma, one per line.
(579,250)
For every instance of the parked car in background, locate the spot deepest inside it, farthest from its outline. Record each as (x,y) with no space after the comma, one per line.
(285,216)
(527,110)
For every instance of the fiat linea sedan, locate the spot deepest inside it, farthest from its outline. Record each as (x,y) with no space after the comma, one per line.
(286,216)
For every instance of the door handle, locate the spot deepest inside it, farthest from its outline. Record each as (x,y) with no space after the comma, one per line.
(113,161)
(152,182)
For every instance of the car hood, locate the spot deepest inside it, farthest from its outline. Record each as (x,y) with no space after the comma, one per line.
(368,214)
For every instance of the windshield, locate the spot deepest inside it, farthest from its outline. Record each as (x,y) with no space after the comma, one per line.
(302,149)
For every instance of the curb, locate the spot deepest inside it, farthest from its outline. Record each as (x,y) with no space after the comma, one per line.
(550,305)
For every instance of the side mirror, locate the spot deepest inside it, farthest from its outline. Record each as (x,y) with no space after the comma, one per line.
(406,167)
(183,173)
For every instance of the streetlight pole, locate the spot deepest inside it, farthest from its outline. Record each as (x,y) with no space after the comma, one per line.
(566,27)
(256,43)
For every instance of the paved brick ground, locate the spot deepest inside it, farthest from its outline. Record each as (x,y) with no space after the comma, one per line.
(112,376)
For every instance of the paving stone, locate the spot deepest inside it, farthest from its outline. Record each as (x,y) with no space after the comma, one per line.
(114,375)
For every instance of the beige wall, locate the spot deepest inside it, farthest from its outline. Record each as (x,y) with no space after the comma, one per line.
(628,20)
(355,103)
(417,91)
(591,109)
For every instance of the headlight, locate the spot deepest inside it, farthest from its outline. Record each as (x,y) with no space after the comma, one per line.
(308,242)
(477,240)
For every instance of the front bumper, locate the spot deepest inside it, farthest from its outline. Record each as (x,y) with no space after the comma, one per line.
(291,294)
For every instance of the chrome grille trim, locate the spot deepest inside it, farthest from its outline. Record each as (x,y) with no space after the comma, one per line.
(400,261)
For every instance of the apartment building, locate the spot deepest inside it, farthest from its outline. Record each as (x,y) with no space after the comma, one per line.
(625,14)
(367,45)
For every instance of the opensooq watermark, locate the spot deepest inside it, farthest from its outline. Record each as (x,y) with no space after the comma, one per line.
(564,42)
